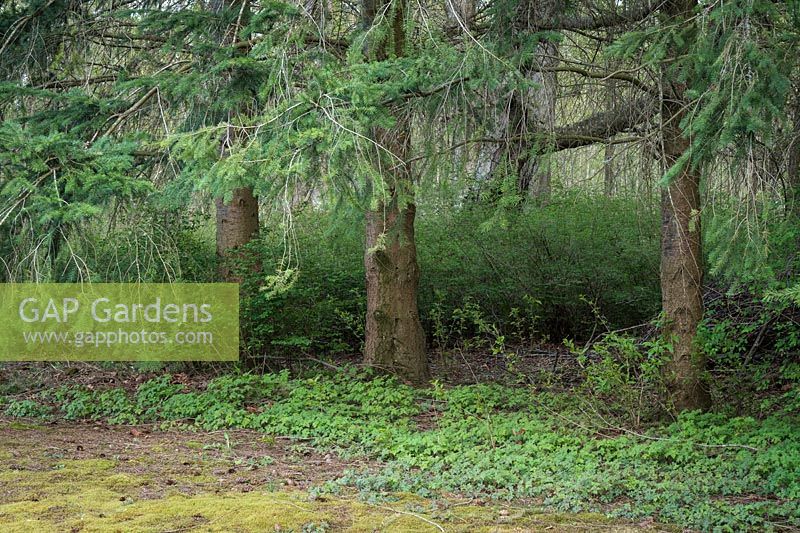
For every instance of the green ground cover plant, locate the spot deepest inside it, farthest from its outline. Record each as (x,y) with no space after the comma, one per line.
(708,471)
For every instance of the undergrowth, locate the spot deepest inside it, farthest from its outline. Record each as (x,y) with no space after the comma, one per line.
(706,471)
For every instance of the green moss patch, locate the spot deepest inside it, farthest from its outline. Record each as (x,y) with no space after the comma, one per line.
(149,483)
(99,502)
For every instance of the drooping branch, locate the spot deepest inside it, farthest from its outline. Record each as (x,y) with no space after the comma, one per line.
(68,84)
(621,16)
(603,125)
(604,76)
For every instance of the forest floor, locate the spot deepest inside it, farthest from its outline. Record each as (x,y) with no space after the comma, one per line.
(173,448)
(65,476)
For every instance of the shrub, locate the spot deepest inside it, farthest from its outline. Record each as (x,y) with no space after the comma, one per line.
(548,264)
(623,377)
(546,271)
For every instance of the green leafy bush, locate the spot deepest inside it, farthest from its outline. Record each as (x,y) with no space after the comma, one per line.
(624,377)
(752,343)
(554,265)
(307,296)
(545,272)
(27,408)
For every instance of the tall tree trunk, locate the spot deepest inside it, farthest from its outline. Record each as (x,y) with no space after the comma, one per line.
(681,250)
(237,224)
(534,172)
(395,340)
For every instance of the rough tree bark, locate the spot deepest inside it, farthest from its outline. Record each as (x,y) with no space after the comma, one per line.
(534,172)
(395,340)
(237,224)
(681,249)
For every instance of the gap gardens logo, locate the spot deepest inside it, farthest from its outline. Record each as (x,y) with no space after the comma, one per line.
(119,322)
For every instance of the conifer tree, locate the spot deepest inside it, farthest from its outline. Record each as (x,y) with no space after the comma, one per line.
(394,339)
(237,219)
(681,238)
